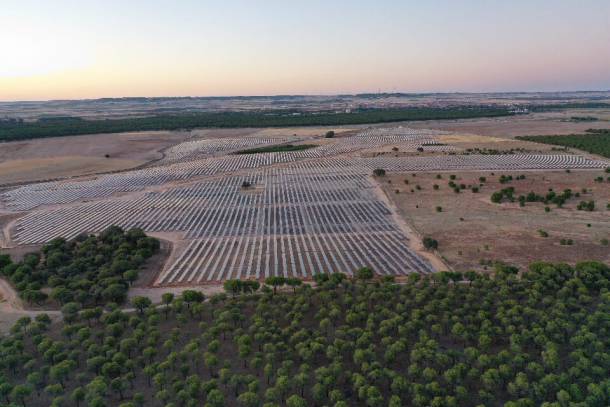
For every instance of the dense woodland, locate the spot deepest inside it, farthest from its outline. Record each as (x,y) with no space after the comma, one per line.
(69,126)
(89,270)
(537,338)
(596,141)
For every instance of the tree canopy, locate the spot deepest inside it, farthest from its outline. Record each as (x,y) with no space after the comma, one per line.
(512,338)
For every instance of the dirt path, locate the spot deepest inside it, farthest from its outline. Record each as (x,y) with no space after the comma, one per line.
(414,237)
(11,308)
(9,296)
(155,293)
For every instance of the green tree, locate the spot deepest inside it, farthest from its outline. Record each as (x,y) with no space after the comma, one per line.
(20,392)
(275,282)
(141,303)
(296,401)
(364,273)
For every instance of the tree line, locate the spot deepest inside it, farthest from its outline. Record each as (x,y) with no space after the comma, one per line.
(74,126)
(595,141)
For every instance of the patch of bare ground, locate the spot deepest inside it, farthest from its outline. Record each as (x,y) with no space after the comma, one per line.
(171,247)
(414,237)
(11,308)
(37,169)
(58,157)
(155,264)
(471,230)
(545,123)
(6,219)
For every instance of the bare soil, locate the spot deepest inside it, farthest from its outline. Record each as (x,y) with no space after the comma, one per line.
(59,157)
(62,157)
(547,123)
(11,308)
(36,169)
(505,232)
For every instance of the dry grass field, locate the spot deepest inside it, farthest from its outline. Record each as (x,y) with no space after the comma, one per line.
(471,229)
(62,157)
(22,170)
(58,157)
(547,123)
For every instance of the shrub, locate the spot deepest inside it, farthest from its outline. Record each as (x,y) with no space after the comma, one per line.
(588,206)
(430,244)
(496,197)
(379,172)
(364,273)
(505,178)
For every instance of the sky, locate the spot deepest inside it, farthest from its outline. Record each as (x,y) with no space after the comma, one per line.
(65,49)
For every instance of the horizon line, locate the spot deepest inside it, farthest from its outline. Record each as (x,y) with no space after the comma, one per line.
(303,95)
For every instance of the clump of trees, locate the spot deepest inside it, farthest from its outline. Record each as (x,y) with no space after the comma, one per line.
(88,270)
(507,194)
(329,134)
(508,178)
(586,206)
(596,141)
(430,243)
(536,337)
(379,172)
(503,194)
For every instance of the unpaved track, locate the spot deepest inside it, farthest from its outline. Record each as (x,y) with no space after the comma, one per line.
(414,238)
(11,308)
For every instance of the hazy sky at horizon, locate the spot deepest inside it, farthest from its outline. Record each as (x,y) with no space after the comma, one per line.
(66,49)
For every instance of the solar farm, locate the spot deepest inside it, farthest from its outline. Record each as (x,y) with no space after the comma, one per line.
(252,216)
